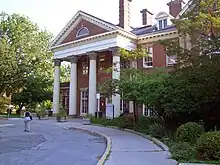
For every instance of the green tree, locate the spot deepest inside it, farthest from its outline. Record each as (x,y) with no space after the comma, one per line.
(65,73)
(201,26)
(35,90)
(191,93)
(24,52)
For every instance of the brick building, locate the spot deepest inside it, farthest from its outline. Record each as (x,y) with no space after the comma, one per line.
(91,44)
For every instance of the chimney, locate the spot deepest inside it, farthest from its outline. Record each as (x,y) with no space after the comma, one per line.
(146,17)
(124,14)
(175,6)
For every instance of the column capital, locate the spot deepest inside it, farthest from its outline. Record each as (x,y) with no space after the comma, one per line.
(73,59)
(57,62)
(92,55)
(115,51)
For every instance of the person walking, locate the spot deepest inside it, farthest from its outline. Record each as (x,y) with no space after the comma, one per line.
(27,121)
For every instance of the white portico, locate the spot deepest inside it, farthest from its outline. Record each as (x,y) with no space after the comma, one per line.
(91,46)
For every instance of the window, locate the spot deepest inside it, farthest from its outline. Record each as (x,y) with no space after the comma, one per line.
(148,61)
(148,111)
(82,32)
(85,67)
(171,60)
(165,23)
(160,24)
(102,62)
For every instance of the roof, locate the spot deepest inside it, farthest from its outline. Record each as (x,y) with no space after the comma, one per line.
(135,31)
(151,29)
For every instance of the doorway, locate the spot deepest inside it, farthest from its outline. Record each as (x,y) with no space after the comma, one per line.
(83,102)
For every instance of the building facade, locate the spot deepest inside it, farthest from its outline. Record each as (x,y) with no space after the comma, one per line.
(92,45)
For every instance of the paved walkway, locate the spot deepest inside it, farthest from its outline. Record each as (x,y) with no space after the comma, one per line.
(128,148)
(47,144)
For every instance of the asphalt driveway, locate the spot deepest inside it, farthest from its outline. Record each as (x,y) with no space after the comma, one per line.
(46,144)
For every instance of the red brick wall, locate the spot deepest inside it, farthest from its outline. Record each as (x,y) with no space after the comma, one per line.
(83,80)
(93,30)
(159,57)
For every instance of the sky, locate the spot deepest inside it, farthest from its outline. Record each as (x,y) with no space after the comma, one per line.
(54,14)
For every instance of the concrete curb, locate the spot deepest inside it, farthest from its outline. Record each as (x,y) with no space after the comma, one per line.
(107,139)
(193,164)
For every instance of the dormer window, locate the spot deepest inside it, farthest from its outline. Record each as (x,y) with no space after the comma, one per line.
(82,32)
(162,24)
(163,20)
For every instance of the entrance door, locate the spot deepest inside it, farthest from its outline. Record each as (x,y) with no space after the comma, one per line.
(84,102)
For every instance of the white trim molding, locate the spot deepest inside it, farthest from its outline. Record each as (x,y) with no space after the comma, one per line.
(95,44)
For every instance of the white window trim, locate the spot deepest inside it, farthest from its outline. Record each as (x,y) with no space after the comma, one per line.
(158,24)
(148,112)
(169,64)
(150,55)
(77,34)
(82,101)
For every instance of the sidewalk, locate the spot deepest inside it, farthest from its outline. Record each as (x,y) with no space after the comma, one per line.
(128,148)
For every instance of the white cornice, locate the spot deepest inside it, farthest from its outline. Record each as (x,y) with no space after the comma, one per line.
(103,36)
(158,36)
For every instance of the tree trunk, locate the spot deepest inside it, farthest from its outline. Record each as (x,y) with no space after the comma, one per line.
(135,111)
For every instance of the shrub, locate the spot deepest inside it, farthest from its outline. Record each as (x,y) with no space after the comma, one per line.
(189,132)
(208,146)
(121,122)
(157,130)
(182,150)
(143,123)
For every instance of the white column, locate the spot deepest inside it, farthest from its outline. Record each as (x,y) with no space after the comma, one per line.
(116,75)
(92,83)
(73,86)
(56,88)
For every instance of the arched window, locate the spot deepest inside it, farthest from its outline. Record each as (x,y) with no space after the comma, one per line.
(82,32)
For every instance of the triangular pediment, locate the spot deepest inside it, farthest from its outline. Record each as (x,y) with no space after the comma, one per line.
(82,22)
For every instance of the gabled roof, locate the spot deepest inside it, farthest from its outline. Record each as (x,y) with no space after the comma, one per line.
(78,15)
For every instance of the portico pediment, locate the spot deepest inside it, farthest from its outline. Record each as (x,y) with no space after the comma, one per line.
(82,25)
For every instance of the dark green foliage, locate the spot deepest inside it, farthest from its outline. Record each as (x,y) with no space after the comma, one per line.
(143,123)
(181,151)
(119,122)
(208,146)
(189,132)
(157,130)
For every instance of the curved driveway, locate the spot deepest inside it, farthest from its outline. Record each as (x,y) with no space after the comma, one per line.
(47,144)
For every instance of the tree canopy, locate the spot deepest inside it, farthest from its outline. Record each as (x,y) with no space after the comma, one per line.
(24,52)
(26,69)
